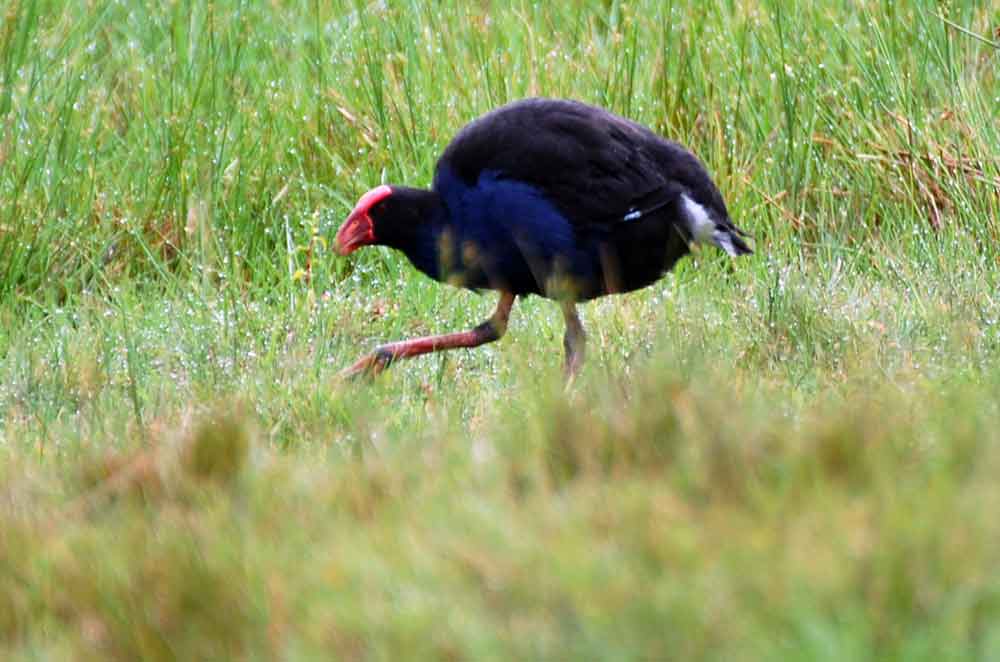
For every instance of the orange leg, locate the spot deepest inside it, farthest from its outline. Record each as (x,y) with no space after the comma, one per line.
(487,332)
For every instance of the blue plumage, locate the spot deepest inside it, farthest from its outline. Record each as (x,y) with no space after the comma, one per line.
(502,233)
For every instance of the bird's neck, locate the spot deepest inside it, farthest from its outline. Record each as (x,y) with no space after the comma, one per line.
(418,234)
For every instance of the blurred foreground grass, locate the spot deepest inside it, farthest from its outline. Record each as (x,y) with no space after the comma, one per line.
(706,491)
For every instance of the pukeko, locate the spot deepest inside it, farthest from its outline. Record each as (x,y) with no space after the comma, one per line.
(550,197)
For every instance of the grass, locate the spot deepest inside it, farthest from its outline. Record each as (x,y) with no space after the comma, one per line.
(790,456)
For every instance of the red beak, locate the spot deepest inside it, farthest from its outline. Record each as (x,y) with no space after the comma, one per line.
(359,230)
(356,231)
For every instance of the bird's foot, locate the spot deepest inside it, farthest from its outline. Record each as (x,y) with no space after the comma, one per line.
(572,368)
(369,365)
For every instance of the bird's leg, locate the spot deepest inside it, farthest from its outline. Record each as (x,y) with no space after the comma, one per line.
(575,340)
(490,330)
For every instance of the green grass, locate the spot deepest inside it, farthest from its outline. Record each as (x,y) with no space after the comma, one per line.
(789,456)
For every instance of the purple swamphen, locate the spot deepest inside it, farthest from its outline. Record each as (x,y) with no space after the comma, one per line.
(549,197)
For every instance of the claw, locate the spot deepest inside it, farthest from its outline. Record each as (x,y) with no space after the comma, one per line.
(369,365)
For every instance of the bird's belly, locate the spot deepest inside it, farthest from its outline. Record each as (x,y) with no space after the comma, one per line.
(621,263)
(633,257)
(495,265)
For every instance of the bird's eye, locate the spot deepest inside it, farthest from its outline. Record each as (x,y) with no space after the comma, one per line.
(379,207)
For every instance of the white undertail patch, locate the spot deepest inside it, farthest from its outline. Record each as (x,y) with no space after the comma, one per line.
(703,229)
(724,240)
(700,224)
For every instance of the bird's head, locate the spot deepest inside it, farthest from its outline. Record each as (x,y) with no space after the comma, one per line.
(389,216)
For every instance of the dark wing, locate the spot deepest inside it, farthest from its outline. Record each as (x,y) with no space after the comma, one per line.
(594,166)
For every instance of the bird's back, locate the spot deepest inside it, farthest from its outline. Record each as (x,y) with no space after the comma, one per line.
(560,186)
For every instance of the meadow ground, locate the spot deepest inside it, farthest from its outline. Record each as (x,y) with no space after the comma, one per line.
(792,456)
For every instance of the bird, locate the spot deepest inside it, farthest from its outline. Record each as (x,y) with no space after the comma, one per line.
(549,197)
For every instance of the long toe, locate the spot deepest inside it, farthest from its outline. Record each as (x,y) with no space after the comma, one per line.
(369,365)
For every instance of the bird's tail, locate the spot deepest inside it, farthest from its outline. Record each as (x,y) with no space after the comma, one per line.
(704,228)
(730,240)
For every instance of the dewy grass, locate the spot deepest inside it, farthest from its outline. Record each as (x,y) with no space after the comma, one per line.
(788,457)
